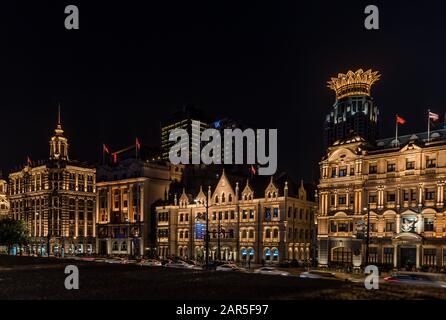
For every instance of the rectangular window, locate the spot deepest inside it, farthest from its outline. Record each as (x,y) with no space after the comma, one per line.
(410,164)
(342,227)
(431,162)
(352,171)
(428,225)
(275,212)
(251,214)
(244,215)
(406,195)
(373,254)
(342,172)
(388,256)
(429,257)
(391,197)
(373,168)
(390,226)
(413,195)
(391,167)
(267,214)
(333,172)
(342,200)
(430,194)
(373,198)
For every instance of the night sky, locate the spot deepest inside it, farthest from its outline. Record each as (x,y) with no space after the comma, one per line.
(266,63)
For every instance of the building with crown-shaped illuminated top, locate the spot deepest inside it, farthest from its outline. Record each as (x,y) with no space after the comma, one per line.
(56,198)
(354,111)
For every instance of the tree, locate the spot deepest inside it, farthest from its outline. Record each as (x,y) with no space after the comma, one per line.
(13,232)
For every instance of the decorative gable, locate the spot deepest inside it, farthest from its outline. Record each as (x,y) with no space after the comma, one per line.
(223,193)
(247,193)
(271,191)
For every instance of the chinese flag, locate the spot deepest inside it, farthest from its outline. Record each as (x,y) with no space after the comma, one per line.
(104,147)
(400,120)
(253,170)
(138,145)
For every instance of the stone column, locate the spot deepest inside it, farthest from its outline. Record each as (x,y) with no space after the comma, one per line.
(418,256)
(395,256)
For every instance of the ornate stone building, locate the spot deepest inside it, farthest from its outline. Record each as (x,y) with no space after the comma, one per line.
(126,191)
(56,198)
(399,184)
(259,220)
(4,202)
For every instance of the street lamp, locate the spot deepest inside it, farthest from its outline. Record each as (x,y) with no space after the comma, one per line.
(367,245)
(206,203)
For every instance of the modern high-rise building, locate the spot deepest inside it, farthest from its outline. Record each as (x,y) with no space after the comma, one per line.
(354,111)
(182,119)
(56,198)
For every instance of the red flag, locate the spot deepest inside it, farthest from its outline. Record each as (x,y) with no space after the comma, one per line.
(253,170)
(105,149)
(138,145)
(400,120)
(115,158)
(433,116)
(28,160)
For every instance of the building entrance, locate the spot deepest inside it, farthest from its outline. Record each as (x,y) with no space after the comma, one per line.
(408,258)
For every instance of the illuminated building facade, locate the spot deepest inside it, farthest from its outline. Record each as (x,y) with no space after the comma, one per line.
(399,184)
(56,198)
(126,191)
(354,109)
(270,221)
(4,202)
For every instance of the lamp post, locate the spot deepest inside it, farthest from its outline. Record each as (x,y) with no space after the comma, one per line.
(206,239)
(367,244)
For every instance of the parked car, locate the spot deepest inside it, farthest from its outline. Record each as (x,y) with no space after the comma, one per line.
(417,279)
(316,274)
(271,271)
(150,263)
(230,267)
(114,260)
(179,265)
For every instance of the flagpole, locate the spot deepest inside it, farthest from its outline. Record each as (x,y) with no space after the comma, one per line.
(396,131)
(428,125)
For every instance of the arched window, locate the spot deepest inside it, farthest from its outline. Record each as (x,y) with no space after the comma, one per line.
(268,233)
(267,254)
(244,253)
(124,246)
(223,199)
(251,253)
(251,234)
(275,233)
(115,246)
(275,254)
(230,198)
(181,234)
(186,234)
(216,199)
(244,234)
(181,252)
(245,197)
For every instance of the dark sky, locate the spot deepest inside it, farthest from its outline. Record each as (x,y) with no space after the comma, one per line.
(130,65)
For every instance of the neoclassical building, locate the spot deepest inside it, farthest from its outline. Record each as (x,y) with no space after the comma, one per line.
(127,188)
(258,220)
(402,184)
(4,202)
(57,199)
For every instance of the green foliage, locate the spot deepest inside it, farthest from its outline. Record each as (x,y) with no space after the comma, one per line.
(13,232)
